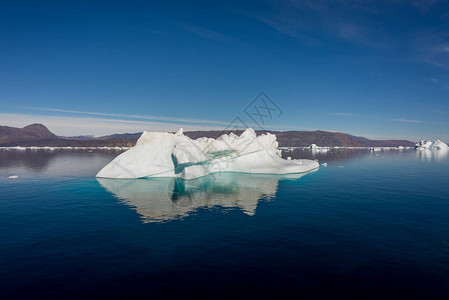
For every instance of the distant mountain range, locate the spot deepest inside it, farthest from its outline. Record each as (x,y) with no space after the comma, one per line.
(39,135)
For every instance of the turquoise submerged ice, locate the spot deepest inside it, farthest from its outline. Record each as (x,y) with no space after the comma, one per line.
(163,154)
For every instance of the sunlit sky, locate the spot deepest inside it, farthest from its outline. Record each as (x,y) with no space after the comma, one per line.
(379,69)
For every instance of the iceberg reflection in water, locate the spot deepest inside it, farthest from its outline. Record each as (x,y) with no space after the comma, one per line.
(432,154)
(162,199)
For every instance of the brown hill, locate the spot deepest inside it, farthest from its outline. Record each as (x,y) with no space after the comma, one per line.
(30,133)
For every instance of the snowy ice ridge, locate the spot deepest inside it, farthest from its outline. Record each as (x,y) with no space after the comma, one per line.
(163,154)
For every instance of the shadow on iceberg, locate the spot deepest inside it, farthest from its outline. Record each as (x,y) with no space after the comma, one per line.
(163,199)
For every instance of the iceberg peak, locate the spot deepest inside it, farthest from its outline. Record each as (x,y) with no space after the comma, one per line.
(180,132)
(248,133)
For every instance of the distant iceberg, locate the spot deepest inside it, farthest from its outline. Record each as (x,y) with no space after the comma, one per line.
(163,154)
(314,147)
(437,145)
(424,144)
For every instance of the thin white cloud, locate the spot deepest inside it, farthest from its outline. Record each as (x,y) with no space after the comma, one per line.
(208,34)
(141,117)
(318,23)
(70,126)
(97,126)
(439,111)
(314,23)
(430,46)
(406,120)
(174,122)
(350,31)
(202,32)
(343,114)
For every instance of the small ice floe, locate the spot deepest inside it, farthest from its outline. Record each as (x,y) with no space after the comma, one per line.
(13,176)
(324,164)
(340,166)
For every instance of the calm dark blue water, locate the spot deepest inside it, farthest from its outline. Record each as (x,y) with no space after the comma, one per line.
(370,224)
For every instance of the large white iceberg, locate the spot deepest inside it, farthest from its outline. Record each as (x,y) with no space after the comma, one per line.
(437,145)
(163,154)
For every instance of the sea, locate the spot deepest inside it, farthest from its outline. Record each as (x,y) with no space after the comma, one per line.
(366,225)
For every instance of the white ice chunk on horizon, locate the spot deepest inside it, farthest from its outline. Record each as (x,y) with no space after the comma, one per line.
(437,145)
(314,147)
(163,154)
(424,144)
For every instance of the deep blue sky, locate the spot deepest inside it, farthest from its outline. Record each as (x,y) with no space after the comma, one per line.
(372,68)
